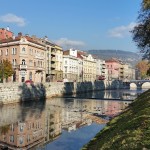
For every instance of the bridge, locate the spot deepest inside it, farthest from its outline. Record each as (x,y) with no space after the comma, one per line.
(139,84)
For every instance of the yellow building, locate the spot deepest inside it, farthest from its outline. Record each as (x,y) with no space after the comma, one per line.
(89,66)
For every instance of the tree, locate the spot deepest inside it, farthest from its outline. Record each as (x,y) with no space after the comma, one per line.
(143,67)
(6,69)
(141,32)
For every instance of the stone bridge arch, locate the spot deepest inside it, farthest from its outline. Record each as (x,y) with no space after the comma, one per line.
(133,86)
(146,85)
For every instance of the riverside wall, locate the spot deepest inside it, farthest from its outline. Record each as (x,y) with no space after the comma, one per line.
(18,92)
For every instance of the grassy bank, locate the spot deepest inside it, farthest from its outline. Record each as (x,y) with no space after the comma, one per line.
(129,130)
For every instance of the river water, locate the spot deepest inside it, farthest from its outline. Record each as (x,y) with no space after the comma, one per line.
(60,123)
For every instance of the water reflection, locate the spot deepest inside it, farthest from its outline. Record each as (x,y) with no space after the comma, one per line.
(111,94)
(35,124)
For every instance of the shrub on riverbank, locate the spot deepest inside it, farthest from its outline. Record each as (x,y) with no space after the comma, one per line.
(129,130)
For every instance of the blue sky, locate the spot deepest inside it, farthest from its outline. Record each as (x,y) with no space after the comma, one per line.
(80,24)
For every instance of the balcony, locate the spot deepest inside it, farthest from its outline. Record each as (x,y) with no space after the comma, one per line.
(23,67)
(53,72)
(53,59)
(39,57)
(39,69)
(53,65)
(15,66)
(53,53)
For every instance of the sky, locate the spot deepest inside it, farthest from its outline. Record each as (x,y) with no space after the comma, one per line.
(79,24)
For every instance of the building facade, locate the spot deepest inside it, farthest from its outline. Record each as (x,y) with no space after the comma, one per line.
(113,66)
(27,57)
(89,66)
(70,65)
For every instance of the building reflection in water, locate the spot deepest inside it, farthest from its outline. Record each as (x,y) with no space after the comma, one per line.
(30,126)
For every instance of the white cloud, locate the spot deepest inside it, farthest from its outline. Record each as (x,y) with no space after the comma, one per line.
(64,42)
(121,31)
(11,18)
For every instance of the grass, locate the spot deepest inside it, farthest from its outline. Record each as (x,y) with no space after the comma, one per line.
(130,130)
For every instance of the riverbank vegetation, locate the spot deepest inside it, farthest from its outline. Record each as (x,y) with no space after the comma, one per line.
(129,130)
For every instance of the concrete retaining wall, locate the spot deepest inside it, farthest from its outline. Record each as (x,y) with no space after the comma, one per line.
(17,92)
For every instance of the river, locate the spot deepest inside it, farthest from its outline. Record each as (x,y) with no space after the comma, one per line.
(60,123)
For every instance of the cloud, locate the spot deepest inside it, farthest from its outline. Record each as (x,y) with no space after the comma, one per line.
(64,42)
(121,31)
(11,18)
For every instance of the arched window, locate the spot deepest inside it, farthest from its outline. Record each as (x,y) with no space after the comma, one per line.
(23,62)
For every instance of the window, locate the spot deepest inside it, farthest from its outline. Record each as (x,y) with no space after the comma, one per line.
(23,62)
(23,50)
(6,51)
(15,50)
(11,138)
(22,79)
(65,69)
(21,128)
(30,62)
(13,62)
(28,138)
(1,52)
(21,140)
(30,76)
(12,127)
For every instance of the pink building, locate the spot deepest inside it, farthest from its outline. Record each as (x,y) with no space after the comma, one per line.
(113,66)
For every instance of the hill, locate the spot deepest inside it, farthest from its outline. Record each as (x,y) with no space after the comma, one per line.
(126,56)
(129,130)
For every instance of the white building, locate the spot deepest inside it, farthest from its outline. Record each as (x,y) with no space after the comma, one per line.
(70,65)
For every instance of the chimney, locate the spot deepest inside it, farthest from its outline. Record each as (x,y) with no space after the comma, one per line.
(19,34)
(13,37)
(7,28)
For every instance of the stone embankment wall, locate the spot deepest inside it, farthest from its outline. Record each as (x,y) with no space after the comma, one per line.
(17,92)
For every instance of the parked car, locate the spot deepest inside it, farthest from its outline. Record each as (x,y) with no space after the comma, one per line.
(29,81)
